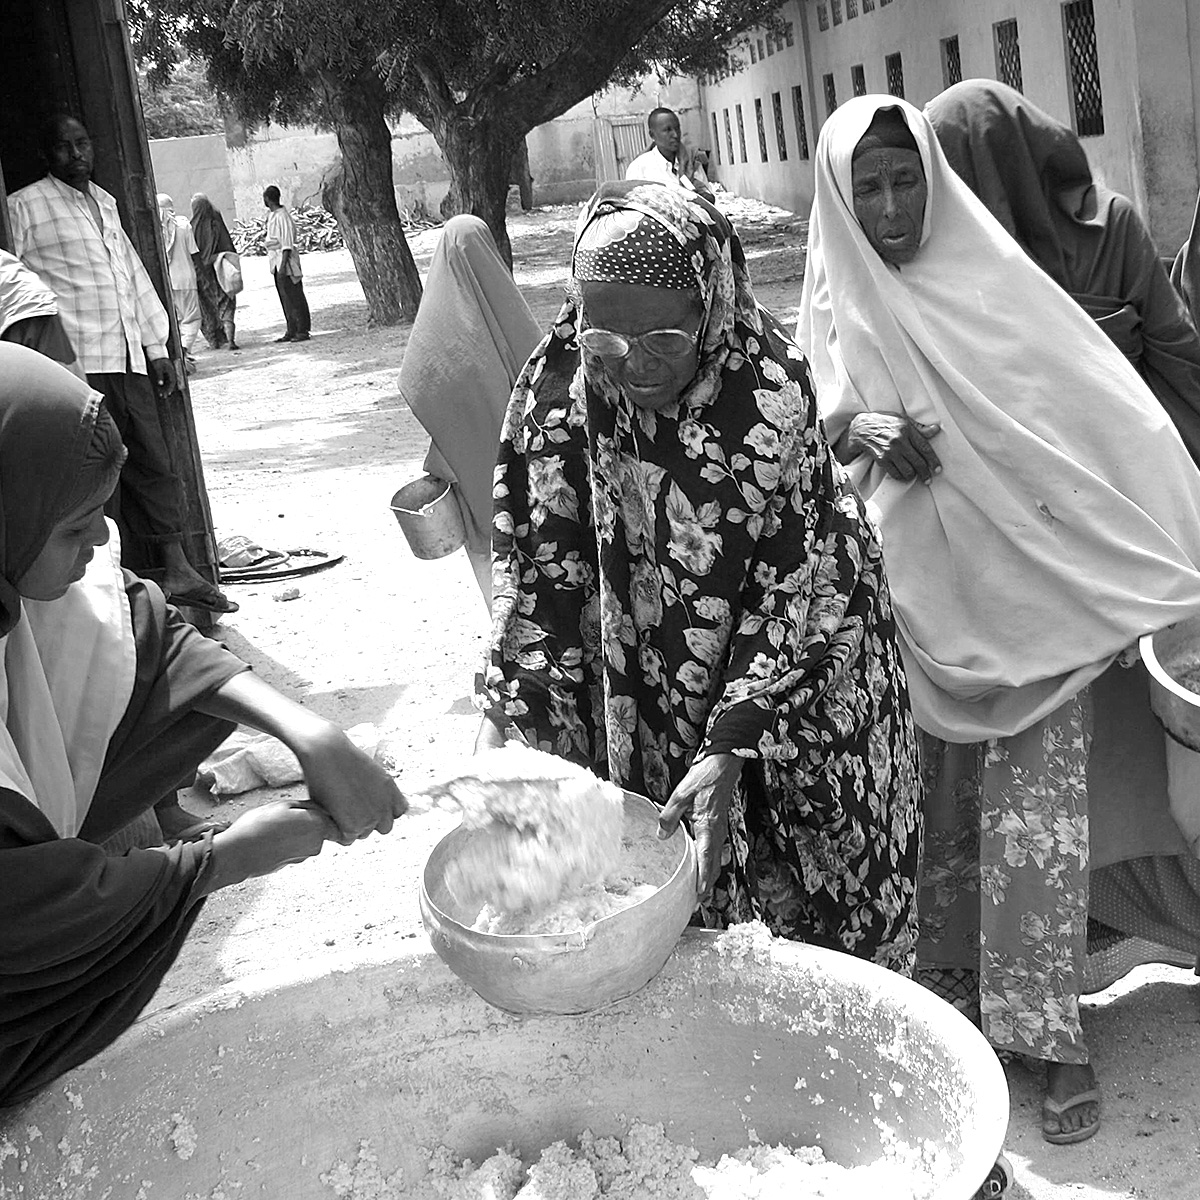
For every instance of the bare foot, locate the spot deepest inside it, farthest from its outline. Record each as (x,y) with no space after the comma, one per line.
(1075,1122)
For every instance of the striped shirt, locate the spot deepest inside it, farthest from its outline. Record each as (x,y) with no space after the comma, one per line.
(106,301)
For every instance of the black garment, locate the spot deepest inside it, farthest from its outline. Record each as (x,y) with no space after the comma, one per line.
(217,307)
(44,334)
(293,302)
(86,938)
(148,502)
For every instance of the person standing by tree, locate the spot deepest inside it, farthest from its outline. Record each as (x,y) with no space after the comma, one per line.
(284,260)
(660,164)
(218,308)
(68,231)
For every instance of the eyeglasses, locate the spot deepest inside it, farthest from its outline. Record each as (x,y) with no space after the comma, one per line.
(661,343)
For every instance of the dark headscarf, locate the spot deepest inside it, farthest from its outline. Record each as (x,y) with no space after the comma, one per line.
(209,230)
(888,129)
(1016,159)
(47,417)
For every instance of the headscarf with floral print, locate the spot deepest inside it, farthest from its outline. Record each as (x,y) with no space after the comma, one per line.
(702,580)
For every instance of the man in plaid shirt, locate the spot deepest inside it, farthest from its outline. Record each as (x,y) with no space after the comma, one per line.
(68,231)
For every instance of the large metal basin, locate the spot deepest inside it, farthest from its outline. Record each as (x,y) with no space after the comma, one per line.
(259,1091)
(565,972)
(1168,655)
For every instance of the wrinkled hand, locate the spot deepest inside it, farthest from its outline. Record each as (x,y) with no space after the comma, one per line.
(265,839)
(899,443)
(357,793)
(162,373)
(706,792)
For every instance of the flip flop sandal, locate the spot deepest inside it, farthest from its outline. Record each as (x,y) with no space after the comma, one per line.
(1054,1109)
(239,553)
(287,569)
(210,601)
(193,833)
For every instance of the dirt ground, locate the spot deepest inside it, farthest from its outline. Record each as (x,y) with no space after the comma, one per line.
(303,446)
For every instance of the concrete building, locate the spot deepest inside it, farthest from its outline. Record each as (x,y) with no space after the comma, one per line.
(1125,74)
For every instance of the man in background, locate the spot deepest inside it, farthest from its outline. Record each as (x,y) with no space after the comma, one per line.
(661,163)
(284,261)
(68,230)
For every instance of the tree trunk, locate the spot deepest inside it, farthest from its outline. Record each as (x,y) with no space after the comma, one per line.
(362,198)
(479,150)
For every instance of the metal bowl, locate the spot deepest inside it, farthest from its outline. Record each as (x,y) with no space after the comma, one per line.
(283,1086)
(563,972)
(1167,655)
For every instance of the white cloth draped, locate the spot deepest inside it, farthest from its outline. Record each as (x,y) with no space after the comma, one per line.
(68,674)
(1066,520)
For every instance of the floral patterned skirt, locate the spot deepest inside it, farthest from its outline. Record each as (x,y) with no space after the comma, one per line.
(1005,878)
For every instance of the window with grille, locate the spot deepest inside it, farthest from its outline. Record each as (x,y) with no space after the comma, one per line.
(761,52)
(1008,53)
(789,34)
(823,16)
(851,9)
(858,79)
(868,6)
(836,5)
(762,129)
(883,2)
(801,126)
(728,138)
(741,132)
(830,95)
(770,44)
(780,135)
(951,62)
(1083,67)
(894,69)
(753,56)
(716,140)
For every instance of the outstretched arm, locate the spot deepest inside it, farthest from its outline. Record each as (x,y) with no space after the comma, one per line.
(356,792)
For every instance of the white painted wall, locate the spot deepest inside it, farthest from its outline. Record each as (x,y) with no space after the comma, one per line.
(1149,54)
(184,166)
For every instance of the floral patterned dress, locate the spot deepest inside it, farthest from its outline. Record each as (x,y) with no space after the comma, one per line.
(704,580)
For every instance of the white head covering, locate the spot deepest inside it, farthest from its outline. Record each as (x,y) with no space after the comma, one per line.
(1066,520)
(68,674)
(22,293)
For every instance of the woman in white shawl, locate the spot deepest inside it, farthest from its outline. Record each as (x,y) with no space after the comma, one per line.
(1039,513)
(471,338)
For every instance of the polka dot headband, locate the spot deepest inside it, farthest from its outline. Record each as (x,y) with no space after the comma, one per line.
(631,247)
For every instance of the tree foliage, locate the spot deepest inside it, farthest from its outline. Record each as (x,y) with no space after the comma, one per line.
(183,105)
(479,74)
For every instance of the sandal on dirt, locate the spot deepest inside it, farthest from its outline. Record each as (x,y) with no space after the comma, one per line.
(210,599)
(193,833)
(288,569)
(240,553)
(1051,1108)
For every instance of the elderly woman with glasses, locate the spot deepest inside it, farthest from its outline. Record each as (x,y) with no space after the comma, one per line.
(689,597)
